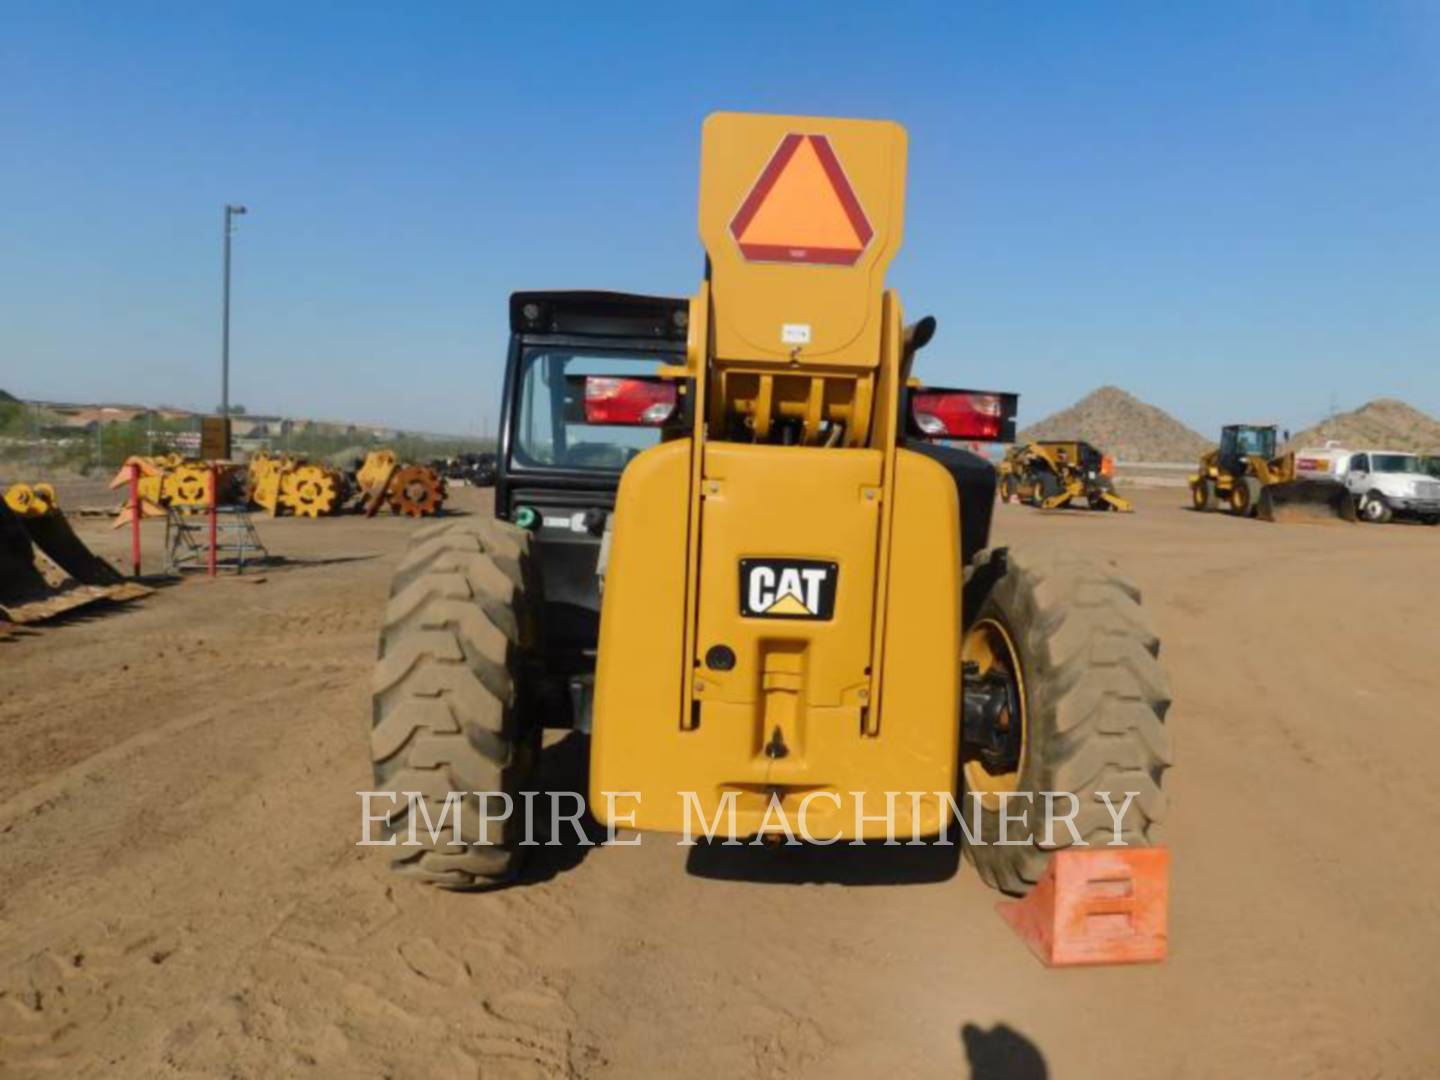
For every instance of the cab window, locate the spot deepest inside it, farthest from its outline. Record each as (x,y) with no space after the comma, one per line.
(546,433)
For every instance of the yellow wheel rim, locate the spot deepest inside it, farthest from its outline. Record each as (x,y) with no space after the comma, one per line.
(989,646)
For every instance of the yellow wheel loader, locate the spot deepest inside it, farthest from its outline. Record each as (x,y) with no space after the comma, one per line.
(1247,476)
(1055,473)
(731,543)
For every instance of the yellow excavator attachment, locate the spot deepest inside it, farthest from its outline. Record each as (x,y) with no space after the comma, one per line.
(283,482)
(312,490)
(169,481)
(413,490)
(66,574)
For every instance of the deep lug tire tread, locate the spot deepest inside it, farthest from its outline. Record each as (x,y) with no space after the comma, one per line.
(445,697)
(1202,495)
(1097,700)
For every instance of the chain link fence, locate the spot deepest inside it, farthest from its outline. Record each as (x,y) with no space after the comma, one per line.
(41,443)
(36,442)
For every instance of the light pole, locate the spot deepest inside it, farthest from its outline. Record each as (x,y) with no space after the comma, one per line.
(230,213)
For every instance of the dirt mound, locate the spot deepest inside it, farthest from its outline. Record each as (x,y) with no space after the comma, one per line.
(1384,423)
(1122,426)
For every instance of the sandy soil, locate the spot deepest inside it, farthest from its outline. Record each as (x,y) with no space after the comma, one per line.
(180,894)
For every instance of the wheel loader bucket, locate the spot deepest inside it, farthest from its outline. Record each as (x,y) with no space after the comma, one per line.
(1305,502)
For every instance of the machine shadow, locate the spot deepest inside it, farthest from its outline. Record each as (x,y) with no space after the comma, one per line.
(287,562)
(96,611)
(1002,1053)
(834,864)
(564,766)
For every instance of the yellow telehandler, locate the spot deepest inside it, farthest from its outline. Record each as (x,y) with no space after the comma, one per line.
(803,619)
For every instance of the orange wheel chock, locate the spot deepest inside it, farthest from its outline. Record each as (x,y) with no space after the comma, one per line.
(1104,905)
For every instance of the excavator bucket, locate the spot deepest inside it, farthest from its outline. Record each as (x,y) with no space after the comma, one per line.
(69,576)
(25,594)
(149,484)
(57,541)
(1305,502)
(20,582)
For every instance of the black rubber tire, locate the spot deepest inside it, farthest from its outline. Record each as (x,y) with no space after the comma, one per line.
(447,698)
(1096,698)
(1382,512)
(1245,496)
(1202,495)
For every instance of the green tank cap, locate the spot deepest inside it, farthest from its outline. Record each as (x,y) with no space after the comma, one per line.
(526,517)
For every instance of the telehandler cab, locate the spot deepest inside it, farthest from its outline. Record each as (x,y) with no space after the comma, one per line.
(801,609)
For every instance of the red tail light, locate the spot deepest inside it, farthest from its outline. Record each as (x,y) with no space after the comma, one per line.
(964,414)
(636,402)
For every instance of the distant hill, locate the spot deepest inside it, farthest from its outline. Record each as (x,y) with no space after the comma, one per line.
(1384,423)
(8,399)
(1122,426)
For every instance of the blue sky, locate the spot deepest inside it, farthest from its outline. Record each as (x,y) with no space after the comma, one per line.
(1230,210)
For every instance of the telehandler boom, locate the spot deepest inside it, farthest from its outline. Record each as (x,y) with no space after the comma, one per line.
(802,616)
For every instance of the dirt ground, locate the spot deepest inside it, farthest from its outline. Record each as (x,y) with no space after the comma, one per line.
(180,894)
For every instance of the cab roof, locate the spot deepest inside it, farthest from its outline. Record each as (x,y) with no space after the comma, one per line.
(599,314)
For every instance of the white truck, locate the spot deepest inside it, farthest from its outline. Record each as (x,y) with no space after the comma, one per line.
(1391,483)
(1386,484)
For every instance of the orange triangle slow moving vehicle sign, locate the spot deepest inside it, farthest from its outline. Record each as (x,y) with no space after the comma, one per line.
(802,209)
